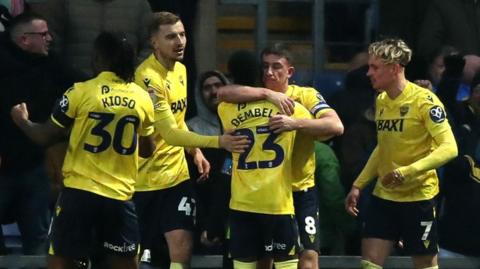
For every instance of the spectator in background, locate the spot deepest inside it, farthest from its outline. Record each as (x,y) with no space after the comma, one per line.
(28,73)
(453,23)
(458,227)
(206,122)
(76,23)
(212,195)
(436,64)
(450,83)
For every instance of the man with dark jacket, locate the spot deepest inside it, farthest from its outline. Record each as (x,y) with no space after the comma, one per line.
(28,73)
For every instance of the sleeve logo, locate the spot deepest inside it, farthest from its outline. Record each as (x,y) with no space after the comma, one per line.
(320,97)
(437,114)
(63,103)
(146,81)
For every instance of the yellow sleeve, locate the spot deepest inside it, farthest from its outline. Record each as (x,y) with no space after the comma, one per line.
(446,150)
(175,135)
(314,102)
(149,120)
(369,172)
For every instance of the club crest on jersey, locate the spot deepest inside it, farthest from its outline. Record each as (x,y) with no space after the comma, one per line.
(403,110)
(63,103)
(429,98)
(181,80)
(437,114)
(146,81)
(381,112)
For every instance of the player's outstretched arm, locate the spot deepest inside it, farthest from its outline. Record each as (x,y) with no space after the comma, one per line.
(41,133)
(242,94)
(167,127)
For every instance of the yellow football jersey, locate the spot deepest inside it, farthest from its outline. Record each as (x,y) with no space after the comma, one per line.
(303,153)
(167,166)
(107,115)
(405,130)
(262,175)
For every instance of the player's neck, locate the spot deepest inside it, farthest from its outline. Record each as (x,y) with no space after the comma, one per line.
(397,87)
(167,63)
(282,89)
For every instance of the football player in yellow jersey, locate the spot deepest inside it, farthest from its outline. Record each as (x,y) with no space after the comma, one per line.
(164,194)
(277,69)
(414,138)
(110,120)
(261,217)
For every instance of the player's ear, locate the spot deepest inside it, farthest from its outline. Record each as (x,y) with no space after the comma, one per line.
(290,71)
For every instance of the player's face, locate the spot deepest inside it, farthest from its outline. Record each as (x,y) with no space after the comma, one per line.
(36,39)
(169,42)
(381,75)
(209,92)
(276,71)
(436,69)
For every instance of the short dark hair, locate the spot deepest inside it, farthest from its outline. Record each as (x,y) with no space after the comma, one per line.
(278,49)
(116,54)
(161,18)
(18,23)
(212,73)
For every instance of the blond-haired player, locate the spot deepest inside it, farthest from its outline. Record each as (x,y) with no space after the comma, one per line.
(414,138)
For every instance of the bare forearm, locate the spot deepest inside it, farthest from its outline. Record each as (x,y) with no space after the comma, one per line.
(40,133)
(326,127)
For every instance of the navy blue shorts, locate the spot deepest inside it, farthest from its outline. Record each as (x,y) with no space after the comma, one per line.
(163,211)
(254,235)
(415,223)
(306,214)
(84,222)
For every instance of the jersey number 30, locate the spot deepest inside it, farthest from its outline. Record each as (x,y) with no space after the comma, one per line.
(269,144)
(106,138)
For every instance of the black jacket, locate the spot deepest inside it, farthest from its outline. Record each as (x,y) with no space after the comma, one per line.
(36,80)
